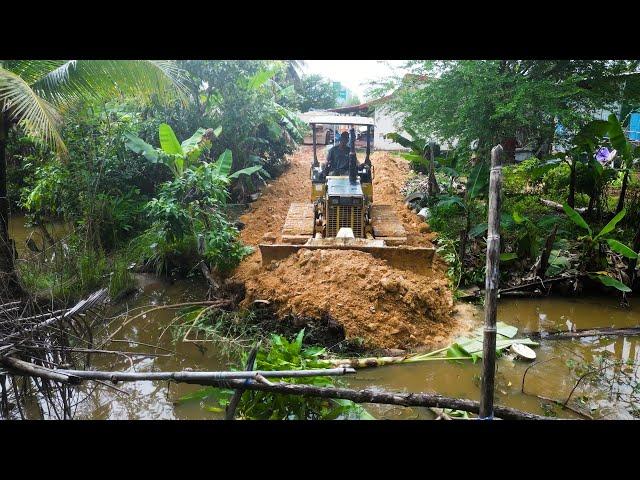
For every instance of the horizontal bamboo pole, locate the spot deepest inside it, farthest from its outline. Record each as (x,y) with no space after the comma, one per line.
(33,370)
(198,377)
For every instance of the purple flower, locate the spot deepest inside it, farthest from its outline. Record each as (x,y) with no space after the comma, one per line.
(602,155)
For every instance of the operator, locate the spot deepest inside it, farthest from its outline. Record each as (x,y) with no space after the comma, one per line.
(338,157)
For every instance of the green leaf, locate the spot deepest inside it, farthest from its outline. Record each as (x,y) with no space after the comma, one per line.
(218,131)
(404,141)
(507,330)
(478,180)
(505,257)
(223,164)
(168,140)
(618,139)
(246,171)
(610,282)
(478,229)
(576,217)
(517,218)
(192,142)
(612,224)
(138,145)
(198,394)
(621,248)
(448,201)
(260,78)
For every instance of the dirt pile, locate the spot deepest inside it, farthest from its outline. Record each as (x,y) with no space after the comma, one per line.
(386,307)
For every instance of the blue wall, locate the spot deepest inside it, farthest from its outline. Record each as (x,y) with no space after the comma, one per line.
(634,126)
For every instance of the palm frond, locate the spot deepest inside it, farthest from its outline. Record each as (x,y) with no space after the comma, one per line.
(31,70)
(81,79)
(294,70)
(37,116)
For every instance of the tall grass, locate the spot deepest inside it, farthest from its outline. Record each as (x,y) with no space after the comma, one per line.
(69,271)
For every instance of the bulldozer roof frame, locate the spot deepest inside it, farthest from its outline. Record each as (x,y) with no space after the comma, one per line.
(337,120)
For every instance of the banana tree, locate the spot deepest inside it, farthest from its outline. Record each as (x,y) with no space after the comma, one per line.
(179,157)
(34,95)
(627,152)
(422,156)
(592,246)
(476,188)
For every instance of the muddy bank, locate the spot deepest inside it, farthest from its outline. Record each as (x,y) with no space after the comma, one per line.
(386,307)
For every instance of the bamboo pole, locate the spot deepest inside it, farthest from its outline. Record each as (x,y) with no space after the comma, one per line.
(491,287)
(31,369)
(199,377)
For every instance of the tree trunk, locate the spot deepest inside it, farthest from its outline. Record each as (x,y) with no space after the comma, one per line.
(623,192)
(541,268)
(9,285)
(432,187)
(571,200)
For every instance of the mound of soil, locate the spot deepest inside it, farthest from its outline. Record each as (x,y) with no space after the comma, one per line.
(386,307)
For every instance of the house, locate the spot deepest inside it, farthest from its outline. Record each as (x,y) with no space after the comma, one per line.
(386,121)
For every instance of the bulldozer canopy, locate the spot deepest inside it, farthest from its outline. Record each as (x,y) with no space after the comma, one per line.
(329,119)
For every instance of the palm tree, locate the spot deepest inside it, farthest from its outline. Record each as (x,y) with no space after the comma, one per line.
(294,71)
(34,95)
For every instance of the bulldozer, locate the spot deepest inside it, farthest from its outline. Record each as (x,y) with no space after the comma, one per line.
(341,213)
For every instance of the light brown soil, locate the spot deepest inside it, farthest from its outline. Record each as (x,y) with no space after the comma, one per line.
(387,307)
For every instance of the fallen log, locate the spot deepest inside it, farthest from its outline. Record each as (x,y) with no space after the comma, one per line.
(540,283)
(380,396)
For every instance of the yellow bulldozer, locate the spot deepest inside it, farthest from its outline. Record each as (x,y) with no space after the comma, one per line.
(341,213)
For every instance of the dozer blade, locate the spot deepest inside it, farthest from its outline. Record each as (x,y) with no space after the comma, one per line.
(298,226)
(387,225)
(405,257)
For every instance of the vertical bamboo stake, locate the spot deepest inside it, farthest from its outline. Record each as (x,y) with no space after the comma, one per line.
(313,133)
(491,287)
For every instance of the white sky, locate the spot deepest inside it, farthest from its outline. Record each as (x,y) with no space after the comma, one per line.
(353,74)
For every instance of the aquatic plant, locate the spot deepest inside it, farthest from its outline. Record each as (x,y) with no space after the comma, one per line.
(262,405)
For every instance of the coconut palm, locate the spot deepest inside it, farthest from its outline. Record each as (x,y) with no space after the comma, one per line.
(34,95)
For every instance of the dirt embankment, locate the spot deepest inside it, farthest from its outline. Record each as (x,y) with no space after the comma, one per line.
(387,307)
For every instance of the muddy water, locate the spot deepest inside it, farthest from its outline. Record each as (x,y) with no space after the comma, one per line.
(20,233)
(553,379)
(147,400)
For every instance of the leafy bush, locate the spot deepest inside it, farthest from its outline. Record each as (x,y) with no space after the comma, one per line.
(187,222)
(263,405)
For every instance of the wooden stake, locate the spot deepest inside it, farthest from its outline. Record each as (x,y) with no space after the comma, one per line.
(491,287)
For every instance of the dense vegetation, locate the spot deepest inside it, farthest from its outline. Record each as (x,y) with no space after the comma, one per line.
(164,208)
(572,209)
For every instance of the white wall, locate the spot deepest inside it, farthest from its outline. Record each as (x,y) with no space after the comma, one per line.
(386,123)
